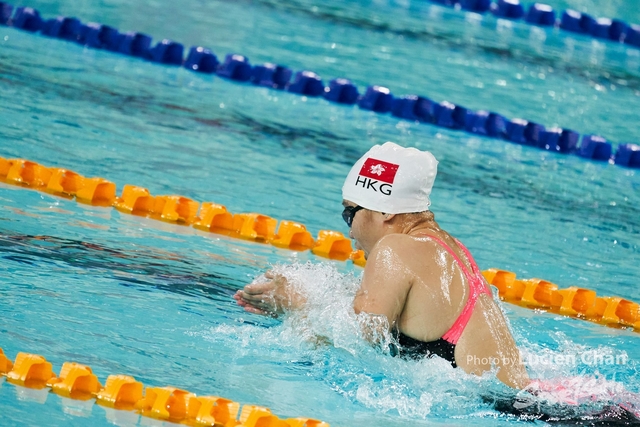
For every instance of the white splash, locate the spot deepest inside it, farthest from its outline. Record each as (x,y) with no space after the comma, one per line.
(325,339)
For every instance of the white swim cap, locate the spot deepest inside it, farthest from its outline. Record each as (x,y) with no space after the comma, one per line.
(392,179)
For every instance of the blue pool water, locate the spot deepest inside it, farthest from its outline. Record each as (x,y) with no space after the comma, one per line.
(125,294)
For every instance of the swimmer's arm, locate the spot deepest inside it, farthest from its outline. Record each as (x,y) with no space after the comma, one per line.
(271,298)
(385,285)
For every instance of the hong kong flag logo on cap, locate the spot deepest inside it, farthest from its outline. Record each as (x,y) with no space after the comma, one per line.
(379,170)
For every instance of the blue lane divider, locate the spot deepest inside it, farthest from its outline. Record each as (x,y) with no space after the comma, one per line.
(543,15)
(342,91)
(376,98)
(5,13)
(27,19)
(628,155)
(306,83)
(271,75)
(98,36)
(595,147)
(201,60)
(510,9)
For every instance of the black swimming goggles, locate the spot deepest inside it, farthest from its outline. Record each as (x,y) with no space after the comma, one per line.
(349,212)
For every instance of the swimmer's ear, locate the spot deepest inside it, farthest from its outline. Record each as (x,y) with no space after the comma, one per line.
(388,217)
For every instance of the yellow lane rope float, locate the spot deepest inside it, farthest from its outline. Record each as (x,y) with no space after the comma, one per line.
(531,293)
(123,392)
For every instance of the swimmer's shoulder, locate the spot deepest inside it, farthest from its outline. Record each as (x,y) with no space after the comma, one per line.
(404,256)
(400,241)
(403,245)
(394,241)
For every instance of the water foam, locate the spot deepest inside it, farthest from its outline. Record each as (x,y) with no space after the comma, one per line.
(327,335)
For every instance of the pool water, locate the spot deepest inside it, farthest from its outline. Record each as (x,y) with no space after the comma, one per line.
(127,294)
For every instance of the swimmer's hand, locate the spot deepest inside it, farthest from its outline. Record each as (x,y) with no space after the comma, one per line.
(273,297)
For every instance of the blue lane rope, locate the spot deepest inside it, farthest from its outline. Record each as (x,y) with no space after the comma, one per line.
(543,15)
(307,83)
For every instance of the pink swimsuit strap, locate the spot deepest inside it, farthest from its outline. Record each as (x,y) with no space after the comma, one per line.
(477,287)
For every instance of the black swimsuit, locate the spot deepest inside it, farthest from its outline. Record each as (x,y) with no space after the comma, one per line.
(410,348)
(445,347)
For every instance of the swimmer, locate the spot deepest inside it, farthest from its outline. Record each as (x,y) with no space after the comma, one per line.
(418,276)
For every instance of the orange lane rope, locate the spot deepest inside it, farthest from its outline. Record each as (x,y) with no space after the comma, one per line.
(123,392)
(531,293)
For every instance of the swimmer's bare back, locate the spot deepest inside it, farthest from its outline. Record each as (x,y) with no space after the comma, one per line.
(422,289)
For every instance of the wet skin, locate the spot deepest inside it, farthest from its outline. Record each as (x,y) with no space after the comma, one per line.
(417,285)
